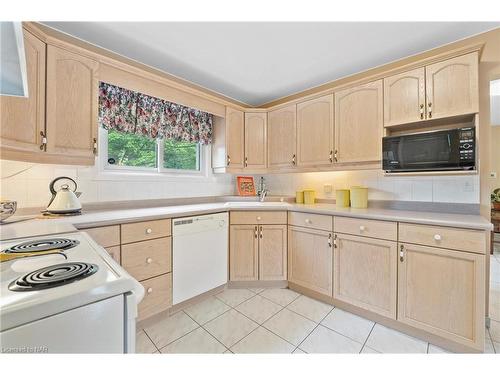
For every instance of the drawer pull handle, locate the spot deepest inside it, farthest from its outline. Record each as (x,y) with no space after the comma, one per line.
(362,228)
(259,218)
(401,253)
(149,260)
(437,237)
(255,231)
(149,231)
(308,221)
(150,290)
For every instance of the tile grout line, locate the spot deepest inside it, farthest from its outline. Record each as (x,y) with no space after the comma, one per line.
(180,337)
(156,347)
(317,325)
(262,325)
(367,337)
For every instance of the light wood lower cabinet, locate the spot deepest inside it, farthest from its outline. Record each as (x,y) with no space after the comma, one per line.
(257,252)
(115,252)
(147,259)
(244,253)
(365,273)
(157,296)
(272,252)
(442,292)
(310,259)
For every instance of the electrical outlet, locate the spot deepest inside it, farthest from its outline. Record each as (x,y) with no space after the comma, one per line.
(327,188)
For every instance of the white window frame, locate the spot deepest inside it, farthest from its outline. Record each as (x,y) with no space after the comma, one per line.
(106,169)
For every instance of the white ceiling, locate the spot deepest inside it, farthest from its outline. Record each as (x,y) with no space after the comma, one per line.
(258,62)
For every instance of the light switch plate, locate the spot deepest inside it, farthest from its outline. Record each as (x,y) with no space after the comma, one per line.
(327,188)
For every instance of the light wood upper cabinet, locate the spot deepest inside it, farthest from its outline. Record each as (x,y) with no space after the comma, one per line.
(365,272)
(310,259)
(22,119)
(359,123)
(243,253)
(272,252)
(255,140)
(282,138)
(315,132)
(235,138)
(442,292)
(404,97)
(71,103)
(452,86)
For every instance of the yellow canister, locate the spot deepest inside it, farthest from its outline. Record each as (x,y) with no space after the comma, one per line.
(309,196)
(299,196)
(342,197)
(359,197)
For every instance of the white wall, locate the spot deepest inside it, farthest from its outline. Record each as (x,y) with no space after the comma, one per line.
(31,187)
(455,189)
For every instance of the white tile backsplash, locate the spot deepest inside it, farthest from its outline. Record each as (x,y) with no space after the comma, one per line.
(30,186)
(452,189)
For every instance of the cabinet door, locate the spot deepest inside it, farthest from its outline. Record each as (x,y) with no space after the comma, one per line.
(315,132)
(115,253)
(23,119)
(310,259)
(359,123)
(255,140)
(404,97)
(282,138)
(452,87)
(442,292)
(72,94)
(272,252)
(365,273)
(243,253)
(235,137)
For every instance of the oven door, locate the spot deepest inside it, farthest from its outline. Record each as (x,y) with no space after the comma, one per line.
(432,151)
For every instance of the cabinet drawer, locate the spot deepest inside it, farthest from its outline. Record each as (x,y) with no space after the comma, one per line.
(145,230)
(147,258)
(115,253)
(258,217)
(105,236)
(385,230)
(451,238)
(302,219)
(157,296)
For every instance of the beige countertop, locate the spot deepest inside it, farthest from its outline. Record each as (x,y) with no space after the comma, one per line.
(40,227)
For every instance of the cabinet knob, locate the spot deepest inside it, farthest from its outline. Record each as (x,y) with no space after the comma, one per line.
(149,231)
(362,228)
(437,237)
(308,221)
(150,290)
(259,218)
(149,260)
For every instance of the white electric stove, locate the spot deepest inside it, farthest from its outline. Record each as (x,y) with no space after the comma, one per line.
(77,301)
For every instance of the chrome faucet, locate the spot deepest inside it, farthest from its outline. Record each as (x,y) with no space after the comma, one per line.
(262,190)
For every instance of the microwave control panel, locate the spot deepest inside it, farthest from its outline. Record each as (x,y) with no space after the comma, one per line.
(467,144)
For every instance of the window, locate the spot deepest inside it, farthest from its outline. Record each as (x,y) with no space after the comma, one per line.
(140,153)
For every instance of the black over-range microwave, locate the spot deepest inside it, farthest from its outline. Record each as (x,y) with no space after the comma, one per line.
(443,150)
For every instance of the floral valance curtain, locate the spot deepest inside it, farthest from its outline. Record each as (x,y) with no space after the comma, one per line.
(132,112)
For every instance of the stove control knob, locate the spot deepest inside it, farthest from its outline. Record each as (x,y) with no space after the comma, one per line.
(149,260)
(149,231)
(150,290)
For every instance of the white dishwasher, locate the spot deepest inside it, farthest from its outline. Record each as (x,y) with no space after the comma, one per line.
(200,255)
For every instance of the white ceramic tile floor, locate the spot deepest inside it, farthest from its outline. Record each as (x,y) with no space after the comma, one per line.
(278,321)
